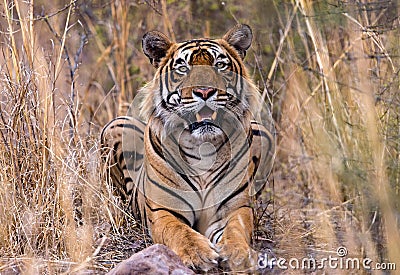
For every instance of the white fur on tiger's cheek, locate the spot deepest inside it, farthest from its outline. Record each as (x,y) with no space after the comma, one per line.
(173,99)
(230,91)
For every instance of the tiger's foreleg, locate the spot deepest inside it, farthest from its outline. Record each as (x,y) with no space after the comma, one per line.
(194,249)
(234,245)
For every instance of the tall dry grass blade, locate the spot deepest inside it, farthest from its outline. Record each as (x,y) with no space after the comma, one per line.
(167,23)
(63,37)
(8,8)
(120,12)
(321,52)
(281,43)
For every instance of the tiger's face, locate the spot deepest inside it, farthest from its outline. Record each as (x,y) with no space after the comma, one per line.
(199,83)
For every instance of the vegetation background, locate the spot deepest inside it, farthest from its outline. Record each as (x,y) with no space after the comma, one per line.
(331,69)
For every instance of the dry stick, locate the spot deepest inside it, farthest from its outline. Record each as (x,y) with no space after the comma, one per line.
(105,52)
(337,206)
(374,36)
(120,87)
(379,156)
(153,6)
(32,53)
(31,33)
(42,17)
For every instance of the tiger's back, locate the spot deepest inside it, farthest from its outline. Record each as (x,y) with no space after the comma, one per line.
(190,171)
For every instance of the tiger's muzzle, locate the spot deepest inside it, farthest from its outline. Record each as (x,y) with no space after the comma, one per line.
(205,113)
(203,92)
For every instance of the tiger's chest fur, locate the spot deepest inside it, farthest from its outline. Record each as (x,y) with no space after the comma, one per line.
(205,161)
(205,157)
(202,175)
(200,181)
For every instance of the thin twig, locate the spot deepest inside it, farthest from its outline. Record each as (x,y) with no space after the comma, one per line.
(280,47)
(46,17)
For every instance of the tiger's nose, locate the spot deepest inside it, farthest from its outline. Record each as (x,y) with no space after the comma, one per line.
(204,92)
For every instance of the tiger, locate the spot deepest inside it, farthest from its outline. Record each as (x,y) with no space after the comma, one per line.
(195,149)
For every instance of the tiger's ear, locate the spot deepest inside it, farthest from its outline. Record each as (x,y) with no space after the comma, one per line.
(155,46)
(240,38)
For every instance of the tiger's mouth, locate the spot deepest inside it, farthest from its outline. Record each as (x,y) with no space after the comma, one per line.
(204,118)
(206,113)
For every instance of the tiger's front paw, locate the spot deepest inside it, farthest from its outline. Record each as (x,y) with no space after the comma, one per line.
(238,255)
(197,252)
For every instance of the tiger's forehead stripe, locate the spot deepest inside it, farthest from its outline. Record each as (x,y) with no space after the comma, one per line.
(201,57)
(208,45)
(209,52)
(204,45)
(197,42)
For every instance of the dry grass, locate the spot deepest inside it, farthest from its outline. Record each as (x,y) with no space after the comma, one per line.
(67,70)
(331,184)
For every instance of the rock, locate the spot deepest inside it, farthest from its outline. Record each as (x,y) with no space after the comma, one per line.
(156,259)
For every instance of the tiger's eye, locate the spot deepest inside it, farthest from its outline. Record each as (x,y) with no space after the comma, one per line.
(183,69)
(220,65)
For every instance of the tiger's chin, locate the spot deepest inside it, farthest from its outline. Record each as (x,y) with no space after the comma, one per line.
(205,130)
